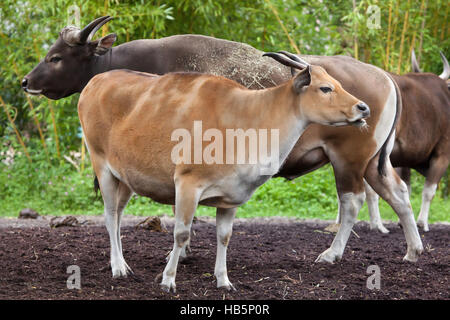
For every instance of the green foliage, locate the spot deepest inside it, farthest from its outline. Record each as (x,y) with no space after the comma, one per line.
(327,27)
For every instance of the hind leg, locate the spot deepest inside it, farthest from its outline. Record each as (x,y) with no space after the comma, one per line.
(405,174)
(438,166)
(374,210)
(350,187)
(123,196)
(372,200)
(394,191)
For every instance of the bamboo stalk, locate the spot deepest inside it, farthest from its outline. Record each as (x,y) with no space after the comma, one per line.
(55,131)
(105,27)
(402,40)
(413,39)
(394,31)
(386,61)
(436,23)
(444,29)
(19,137)
(355,36)
(275,12)
(422,28)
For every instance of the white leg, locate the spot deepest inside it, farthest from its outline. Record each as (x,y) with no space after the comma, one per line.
(186,204)
(400,203)
(374,210)
(124,195)
(224,225)
(183,252)
(338,218)
(428,193)
(350,204)
(185,249)
(334,227)
(111,188)
(395,192)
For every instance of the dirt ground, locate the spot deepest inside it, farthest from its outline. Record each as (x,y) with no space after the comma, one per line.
(267,259)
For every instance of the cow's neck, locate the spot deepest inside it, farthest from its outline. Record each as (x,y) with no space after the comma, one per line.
(103,63)
(277,108)
(138,56)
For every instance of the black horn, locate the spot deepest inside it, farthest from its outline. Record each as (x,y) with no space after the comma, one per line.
(91,28)
(101,24)
(294,57)
(446,73)
(414,64)
(285,60)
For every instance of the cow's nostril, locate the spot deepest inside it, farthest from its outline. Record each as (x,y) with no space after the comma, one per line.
(362,107)
(24,82)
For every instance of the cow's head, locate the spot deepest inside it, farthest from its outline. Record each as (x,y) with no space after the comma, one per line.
(444,75)
(70,62)
(322,100)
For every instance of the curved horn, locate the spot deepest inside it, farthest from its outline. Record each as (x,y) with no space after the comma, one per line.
(414,64)
(446,73)
(85,33)
(285,60)
(101,24)
(294,57)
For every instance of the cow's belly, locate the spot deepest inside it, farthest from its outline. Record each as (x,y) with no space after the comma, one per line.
(409,155)
(151,186)
(229,191)
(298,165)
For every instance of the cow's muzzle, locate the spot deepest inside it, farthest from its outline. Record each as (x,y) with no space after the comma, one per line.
(28,90)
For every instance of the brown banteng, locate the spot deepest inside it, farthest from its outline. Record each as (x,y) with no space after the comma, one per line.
(73,59)
(131,119)
(422,139)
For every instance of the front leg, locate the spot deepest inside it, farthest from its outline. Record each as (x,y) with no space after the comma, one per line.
(187,197)
(224,225)
(186,248)
(350,204)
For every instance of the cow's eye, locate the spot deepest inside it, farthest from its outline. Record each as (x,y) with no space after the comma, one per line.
(326,89)
(55,59)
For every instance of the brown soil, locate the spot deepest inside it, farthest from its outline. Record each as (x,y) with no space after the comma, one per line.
(267,259)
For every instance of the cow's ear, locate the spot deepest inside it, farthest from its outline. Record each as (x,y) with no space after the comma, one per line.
(302,79)
(102,45)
